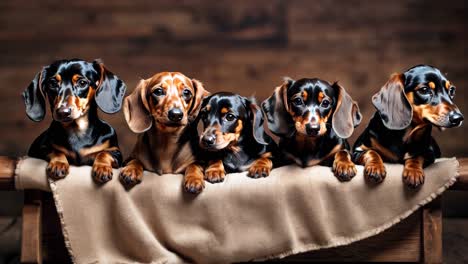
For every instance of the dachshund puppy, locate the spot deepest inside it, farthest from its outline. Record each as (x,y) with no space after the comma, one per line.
(233,138)
(408,105)
(160,110)
(310,120)
(75,88)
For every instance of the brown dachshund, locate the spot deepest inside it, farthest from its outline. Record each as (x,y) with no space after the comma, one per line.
(160,110)
(310,120)
(408,105)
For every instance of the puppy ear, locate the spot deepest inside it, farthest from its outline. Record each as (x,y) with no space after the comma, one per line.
(110,90)
(136,109)
(346,116)
(276,109)
(34,98)
(256,117)
(200,93)
(392,103)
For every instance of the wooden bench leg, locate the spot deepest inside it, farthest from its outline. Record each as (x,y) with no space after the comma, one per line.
(432,232)
(31,242)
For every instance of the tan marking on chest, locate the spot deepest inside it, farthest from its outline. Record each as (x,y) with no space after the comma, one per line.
(94,149)
(65,151)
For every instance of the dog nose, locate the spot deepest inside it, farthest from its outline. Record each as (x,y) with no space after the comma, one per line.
(209,140)
(175,114)
(63,112)
(455,118)
(312,130)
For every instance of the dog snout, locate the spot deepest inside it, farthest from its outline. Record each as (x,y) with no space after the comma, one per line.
(455,118)
(312,129)
(175,114)
(209,140)
(64,112)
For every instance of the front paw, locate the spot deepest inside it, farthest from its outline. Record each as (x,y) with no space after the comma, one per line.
(193,184)
(57,170)
(130,176)
(344,170)
(375,172)
(259,170)
(215,175)
(102,173)
(413,177)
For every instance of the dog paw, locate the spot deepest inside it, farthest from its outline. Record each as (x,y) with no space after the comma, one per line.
(215,175)
(130,176)
(375,172)
(193,184)
(102,173)
(413,177)
(258,170)
(344,170)
(57,169)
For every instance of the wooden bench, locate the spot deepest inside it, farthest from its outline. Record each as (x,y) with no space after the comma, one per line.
(416,239)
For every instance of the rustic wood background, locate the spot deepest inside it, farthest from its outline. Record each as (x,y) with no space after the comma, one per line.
(241,46)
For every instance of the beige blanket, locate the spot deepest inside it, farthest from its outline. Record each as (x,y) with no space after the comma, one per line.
(291,211)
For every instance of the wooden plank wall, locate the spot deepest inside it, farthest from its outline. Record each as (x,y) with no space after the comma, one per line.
(241,46)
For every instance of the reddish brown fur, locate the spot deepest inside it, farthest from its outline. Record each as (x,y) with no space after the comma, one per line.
(102,167)
(342,165)
(373,165)
(173,83)
(261,166)
(427,111)
(194,178)
(215,171)
(413,173)
(58,166)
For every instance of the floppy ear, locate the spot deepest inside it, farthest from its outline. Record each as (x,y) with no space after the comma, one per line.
(346,116)
(256,118)
(275,108)
(200,93)
(392,103)
(136,109)
(34,98)
(110,91)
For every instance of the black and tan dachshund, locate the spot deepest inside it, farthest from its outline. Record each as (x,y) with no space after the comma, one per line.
(408,106)
(310,120)
(233,138)
(74,89)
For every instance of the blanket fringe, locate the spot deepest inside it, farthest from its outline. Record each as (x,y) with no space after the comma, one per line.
(59,208)
(369,233)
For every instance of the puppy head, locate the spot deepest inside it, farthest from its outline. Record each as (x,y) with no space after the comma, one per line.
(170,99)
(421,94)
(72,87)
(309,107)
(227,118)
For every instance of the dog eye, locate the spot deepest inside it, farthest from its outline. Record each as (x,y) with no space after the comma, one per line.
(424,91)
(82,83)
(187,94)
(158,92)
(452,92)
(325,103)
(52,85)
(297,101)
(230,117)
